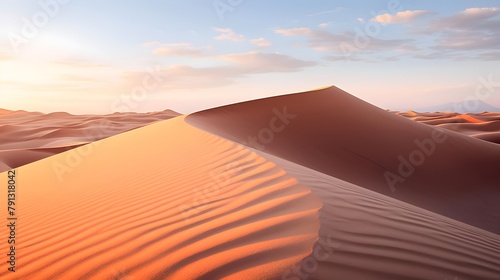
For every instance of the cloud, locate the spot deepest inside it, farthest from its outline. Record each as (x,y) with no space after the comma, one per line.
(228,34)
(360,20)
(183,77)
(180,49)
(470,34)
(486,55)
(467,40)
(255,62)
(336,10)
(295,31)
(151,43)
(400,17)
(261,42)
(239,65)
(324,25)
(471,29)
(322,40)
(336,58)
(434,55)
(355,58)
(470,18)
(489,56)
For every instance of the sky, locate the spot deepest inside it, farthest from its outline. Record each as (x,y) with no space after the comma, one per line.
(89,56)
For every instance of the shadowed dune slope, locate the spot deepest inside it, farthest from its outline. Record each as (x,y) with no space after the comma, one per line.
(366,235)
(493,137)
(166,201)
(30,136)
(340,135)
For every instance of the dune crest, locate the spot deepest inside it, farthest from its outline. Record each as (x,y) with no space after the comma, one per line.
(340,135)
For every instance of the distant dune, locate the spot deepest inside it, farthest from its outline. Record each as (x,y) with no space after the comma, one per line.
(484,126)
(313,185)
(4,111)
(30,136)
(467,106)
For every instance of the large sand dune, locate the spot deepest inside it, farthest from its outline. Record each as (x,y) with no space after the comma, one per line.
(150,205)
(289,187)
(335,133)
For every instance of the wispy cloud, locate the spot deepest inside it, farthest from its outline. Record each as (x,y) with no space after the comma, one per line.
(228,34)
(474,29)
(489,56)
(180,49)
(336,10)
(151,43)
(400,17)
(322,40)
(256,62)
(240,65)
(336,58)
(471,18)
(261,42)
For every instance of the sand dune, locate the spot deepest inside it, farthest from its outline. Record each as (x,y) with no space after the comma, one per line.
(305,197)
(187,207)
(493,137)
(5,112)
(484,126)
(30,136)
(337,134)
(373,236)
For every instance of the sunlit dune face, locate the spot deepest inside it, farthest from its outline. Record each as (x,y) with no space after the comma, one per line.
(470,119)
(188,205)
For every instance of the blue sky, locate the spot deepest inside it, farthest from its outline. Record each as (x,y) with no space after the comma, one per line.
(105,56)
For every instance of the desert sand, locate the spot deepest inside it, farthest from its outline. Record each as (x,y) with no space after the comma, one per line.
(340,135)
(30,136)
(288,187)
(148,205)
(485,126)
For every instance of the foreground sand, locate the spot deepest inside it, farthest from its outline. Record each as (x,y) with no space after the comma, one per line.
(290,187)
(376,237)
(146,205)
